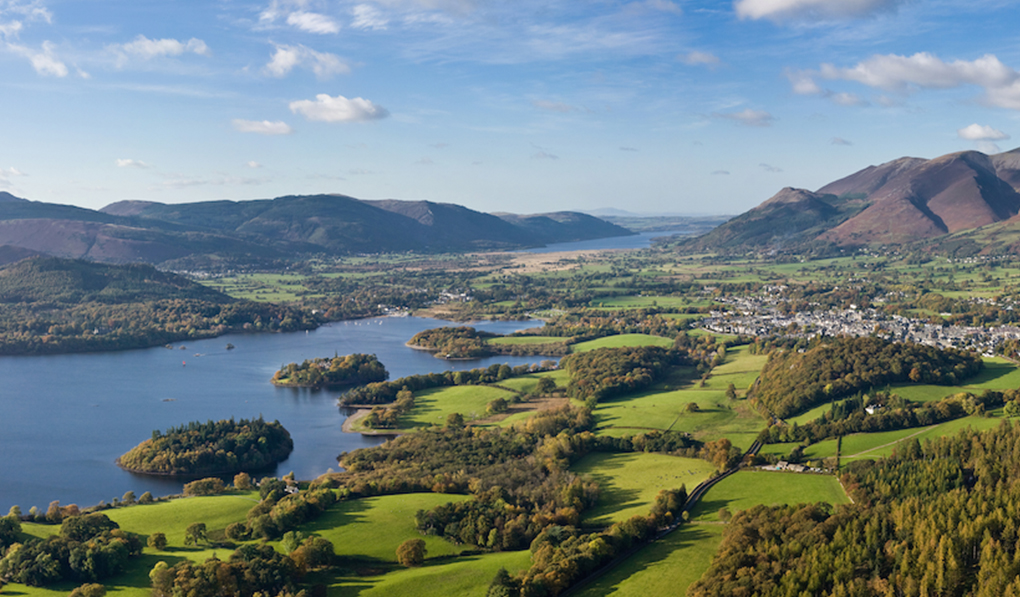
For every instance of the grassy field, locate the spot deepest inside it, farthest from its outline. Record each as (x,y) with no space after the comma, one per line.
(664,407)
(371,528)
(527,383)
(637,302)
(630,482)
(750,488)
(665,567)
(467,575)
(433,406)
(622,340)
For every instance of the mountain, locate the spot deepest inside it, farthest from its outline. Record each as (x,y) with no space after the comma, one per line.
(242,232)
(905,200)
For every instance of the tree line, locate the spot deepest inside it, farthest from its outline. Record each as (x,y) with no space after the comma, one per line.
(352,369)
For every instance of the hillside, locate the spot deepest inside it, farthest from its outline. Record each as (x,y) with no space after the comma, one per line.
(902,201)
(211,233)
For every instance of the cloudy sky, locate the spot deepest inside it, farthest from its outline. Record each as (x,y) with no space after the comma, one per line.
(691,106)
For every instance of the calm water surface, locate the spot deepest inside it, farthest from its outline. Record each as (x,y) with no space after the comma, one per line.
(65,419)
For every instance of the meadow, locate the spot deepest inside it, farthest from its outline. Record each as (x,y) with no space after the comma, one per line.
(748,488)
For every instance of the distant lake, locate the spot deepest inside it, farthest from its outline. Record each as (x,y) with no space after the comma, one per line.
(634,241)
(64,419)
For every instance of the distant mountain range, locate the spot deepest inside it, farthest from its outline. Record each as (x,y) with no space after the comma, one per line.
(271,229)
(960,202)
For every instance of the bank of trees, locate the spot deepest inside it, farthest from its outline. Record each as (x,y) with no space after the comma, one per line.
(608,372)
(352,369)
(934,519)
(794,381)
(386,392)
(214,447)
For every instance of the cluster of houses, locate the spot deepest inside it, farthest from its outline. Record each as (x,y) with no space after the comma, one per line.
(762,315)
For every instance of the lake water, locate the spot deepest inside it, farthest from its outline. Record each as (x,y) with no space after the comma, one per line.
(64,419)
(634,241)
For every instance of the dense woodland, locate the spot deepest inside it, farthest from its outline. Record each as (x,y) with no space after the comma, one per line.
(794,381)
(352,369)
(937,519)
(50,305)
(211,448)
(453,342)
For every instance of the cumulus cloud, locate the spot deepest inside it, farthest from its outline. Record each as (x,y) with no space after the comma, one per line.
(780,10)
(696,58)
(769,168)
(44,61)
(977,132)
(367,16)
(262,127)
(254,165)
(15,13)
(129,163)
(748,117)
(553,106)
(286,58)
(847,99)
(313,22)
(803,83)
(988,147)
(325,108)
(905,74)
(840,141)
(146,49)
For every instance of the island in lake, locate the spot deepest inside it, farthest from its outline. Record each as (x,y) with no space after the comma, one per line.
(349,370)
(211,448)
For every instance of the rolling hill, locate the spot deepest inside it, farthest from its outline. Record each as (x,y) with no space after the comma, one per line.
(903,201)
(288,227)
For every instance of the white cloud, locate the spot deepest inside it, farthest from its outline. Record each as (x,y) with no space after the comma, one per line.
(325,108)
(323,64)
(696,58)
(988,147)
(44,62)
(748,117)
(313,22)
(779,10)
(977,132)
(254,165)
(262,127)
(553,106)
(661,5)
(802,82)
(14,14)
(129,163)
(367,16)
(847,99)
(840,141)
(147,49)
(5,177)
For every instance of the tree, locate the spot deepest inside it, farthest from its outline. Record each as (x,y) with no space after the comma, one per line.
(731,391)
(455,420)
(157,541)
(194,533)
(146,498)
(242,481)
(89,590)
(546,385)
(1012,408)
(411,552)
(128,499)
(53,513)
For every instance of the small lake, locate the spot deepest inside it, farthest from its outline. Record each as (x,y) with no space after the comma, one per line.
(633,241)
(66,418)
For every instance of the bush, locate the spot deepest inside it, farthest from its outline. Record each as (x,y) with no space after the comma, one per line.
(89,590)
(209,486)
(157,541)
(411,552)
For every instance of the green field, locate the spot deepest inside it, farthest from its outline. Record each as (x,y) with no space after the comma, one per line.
(467,575)
(749,488)
(528,383)
(877,445)
(629,482)
(431,407)
(372,528)
(637,302)
(665,567)
(664,407)
(622,340)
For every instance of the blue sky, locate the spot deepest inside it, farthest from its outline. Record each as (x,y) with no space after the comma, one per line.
(523,106)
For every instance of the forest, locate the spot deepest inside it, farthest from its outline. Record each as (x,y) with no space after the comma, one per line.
(934,519)
(348,370)
(794,381)
(211,448)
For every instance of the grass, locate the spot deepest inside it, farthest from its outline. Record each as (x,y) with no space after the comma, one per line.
(527,383)
(664,406)
(622,340)
(433,406)
(878,445)
(630,482)
(665,567)
(637,302)
(751,488)
(372,528)
(467,575)
(519,340)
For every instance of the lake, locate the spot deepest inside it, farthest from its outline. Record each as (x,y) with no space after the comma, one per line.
(633,241)
(66,418)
